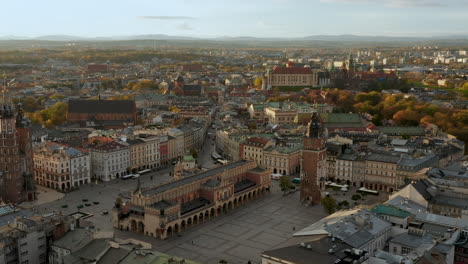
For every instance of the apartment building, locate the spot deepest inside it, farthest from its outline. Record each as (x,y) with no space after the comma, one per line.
(110,161)
(144,152)
(61,168)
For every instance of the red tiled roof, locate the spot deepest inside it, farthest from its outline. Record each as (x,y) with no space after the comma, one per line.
(292,70)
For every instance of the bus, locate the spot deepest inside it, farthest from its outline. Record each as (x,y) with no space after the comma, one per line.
(144,171)
(126,177)
(367,191)
(222,161)
(216,156)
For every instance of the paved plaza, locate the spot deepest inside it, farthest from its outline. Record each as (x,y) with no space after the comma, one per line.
(241,234)
(237,236)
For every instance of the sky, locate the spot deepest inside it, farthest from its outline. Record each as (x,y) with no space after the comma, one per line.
(215,18)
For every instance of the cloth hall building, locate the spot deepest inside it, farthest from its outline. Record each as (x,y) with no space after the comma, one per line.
(170,208)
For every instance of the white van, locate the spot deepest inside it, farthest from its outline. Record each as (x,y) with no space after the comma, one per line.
(276,176)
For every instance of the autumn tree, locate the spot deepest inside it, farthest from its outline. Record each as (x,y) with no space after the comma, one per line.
(258,82)
(52,116)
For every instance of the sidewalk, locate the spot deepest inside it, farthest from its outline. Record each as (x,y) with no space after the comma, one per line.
(44,195)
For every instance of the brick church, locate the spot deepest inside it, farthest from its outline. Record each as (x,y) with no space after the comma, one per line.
(16,163)
(313,161)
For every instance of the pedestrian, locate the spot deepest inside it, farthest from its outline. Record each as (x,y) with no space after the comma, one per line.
(294,228)
(192,242)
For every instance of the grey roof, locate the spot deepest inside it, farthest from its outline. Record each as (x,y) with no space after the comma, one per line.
(358,229)
(93,249)
(27,222)
(114,255)
(412,241)
(8,213)
(212,183)
(135,141)
(196,177)
(444,248)
(163,204)
(421,186)
(74,240)
(73,152)
(292,251)
(383,158)
(450,201)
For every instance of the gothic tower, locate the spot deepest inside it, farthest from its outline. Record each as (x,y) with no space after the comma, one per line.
(15,154)
(313,161)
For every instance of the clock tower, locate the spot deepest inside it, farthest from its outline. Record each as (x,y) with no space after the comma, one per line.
(313,172)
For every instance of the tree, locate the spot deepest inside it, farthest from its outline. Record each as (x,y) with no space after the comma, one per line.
(51,116)
(258,82)
(194,153)
(285,184)
(329,204)
(174,109)
(118,203)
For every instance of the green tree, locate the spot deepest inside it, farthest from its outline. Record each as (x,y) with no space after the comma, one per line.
(329,204)
(285,184)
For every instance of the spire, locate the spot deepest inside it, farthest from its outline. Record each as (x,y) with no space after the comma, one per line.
(315,129)
(6,110)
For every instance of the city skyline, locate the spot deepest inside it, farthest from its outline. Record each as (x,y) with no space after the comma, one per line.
(207,19)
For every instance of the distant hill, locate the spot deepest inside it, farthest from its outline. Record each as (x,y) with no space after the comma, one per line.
(240,38)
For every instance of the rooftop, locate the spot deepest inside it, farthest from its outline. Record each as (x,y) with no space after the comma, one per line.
(412,241)
(101,106)
(196,177)
(390,210)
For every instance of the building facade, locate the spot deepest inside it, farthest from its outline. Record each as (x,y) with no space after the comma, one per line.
(145,152)
(61,168)
(167,209)
(110,161)
(290,75)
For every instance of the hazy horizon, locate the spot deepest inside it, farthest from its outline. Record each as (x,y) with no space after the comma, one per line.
(211,19)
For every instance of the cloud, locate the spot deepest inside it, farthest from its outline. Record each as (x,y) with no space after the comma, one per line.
(167,17)
(394,3)
(184,26)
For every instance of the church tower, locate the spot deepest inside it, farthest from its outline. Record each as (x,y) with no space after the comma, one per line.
(313,161)
(15,154)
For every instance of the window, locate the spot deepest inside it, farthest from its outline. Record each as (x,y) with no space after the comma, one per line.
(405,250)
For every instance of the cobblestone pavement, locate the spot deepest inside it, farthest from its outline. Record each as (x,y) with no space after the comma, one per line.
(241,234)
